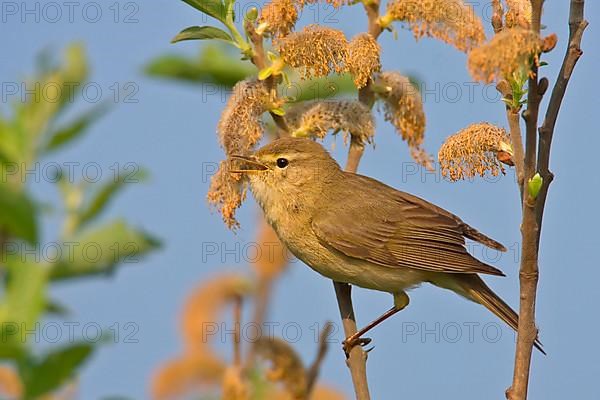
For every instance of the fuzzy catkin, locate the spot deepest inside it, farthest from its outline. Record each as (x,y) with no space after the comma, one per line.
(473,151)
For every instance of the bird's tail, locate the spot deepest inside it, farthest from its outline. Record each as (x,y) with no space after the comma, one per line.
(474,288)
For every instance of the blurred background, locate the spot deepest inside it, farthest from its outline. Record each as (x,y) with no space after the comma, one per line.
(160,132)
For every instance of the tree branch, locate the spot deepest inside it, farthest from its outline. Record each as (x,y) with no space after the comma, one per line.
(577,25)
(314,369)
(533,208)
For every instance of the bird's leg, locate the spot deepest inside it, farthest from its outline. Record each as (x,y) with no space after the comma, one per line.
(401,300)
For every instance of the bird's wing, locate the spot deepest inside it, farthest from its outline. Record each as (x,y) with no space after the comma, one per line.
(397,229)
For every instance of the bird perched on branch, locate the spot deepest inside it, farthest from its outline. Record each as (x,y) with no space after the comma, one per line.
(357,230)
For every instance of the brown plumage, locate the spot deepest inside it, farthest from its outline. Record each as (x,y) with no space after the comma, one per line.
(355,229)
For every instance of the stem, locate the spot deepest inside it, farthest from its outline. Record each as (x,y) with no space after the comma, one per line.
(237,335)
(533,209)
(357,359)
(259,58)
(517,145)
(315,368)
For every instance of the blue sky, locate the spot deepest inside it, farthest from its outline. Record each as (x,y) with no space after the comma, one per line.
(441,344)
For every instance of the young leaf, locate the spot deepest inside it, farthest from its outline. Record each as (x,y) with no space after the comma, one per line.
(101,250)
(103,196)
(214,8)
(18,216)
(202,33)
(214,65)
(54,369)
(24,299)
(75,129)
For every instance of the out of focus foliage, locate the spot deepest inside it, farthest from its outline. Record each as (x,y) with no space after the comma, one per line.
(30,132)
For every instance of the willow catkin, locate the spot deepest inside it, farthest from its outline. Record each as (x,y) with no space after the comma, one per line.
(403,108)
(363,58)
(451,21)
(240,126)
(180,376)
(474,151)
(509,52)
(315,51)
(286,365)
(279,16)
(316,118)
(518,14)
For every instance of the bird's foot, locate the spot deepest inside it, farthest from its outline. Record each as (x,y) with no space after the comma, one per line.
(352,341)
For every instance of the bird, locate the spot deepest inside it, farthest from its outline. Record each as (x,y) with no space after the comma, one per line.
(357,230)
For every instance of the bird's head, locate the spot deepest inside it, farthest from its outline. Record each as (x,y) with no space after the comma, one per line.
(287,169)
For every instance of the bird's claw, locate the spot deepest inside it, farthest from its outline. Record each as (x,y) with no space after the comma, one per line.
(350,342)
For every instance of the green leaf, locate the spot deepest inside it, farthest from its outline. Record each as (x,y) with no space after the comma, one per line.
(75,129)
(321,88)
(25,297)
(202,33)
(214,66)
(54,369)
(214,8)
(101,250)
(106,192)
(17,213)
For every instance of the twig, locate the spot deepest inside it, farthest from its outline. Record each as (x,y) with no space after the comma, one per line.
(313,372)
(259,59)
(357,359)
(577,25)
(533,208)
(516,138)
(237,336)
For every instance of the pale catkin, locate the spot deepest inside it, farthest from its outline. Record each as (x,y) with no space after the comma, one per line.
(451,21)
(474,151)
(403,108)
(509,52)
(240,126)
(518,14)
(317,118)
(280,17)
(286,365)
(316,51)
(226,193)
(363,58)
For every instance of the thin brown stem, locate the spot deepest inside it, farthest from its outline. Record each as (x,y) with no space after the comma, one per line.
(516,138)
(357,359)
(259,58)
(517,145)
(237,335)
(577,25)
(315,368)
(533,208)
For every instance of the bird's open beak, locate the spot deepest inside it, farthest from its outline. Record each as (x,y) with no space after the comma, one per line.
(247,165)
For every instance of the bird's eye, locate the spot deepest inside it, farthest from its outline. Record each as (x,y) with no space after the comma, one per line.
(282,162)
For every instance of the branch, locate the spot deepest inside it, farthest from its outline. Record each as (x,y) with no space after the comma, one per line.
(313,372)
(259,59)
(533,208)
(577,25)
(516,138)
(357,359)
(237,334)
